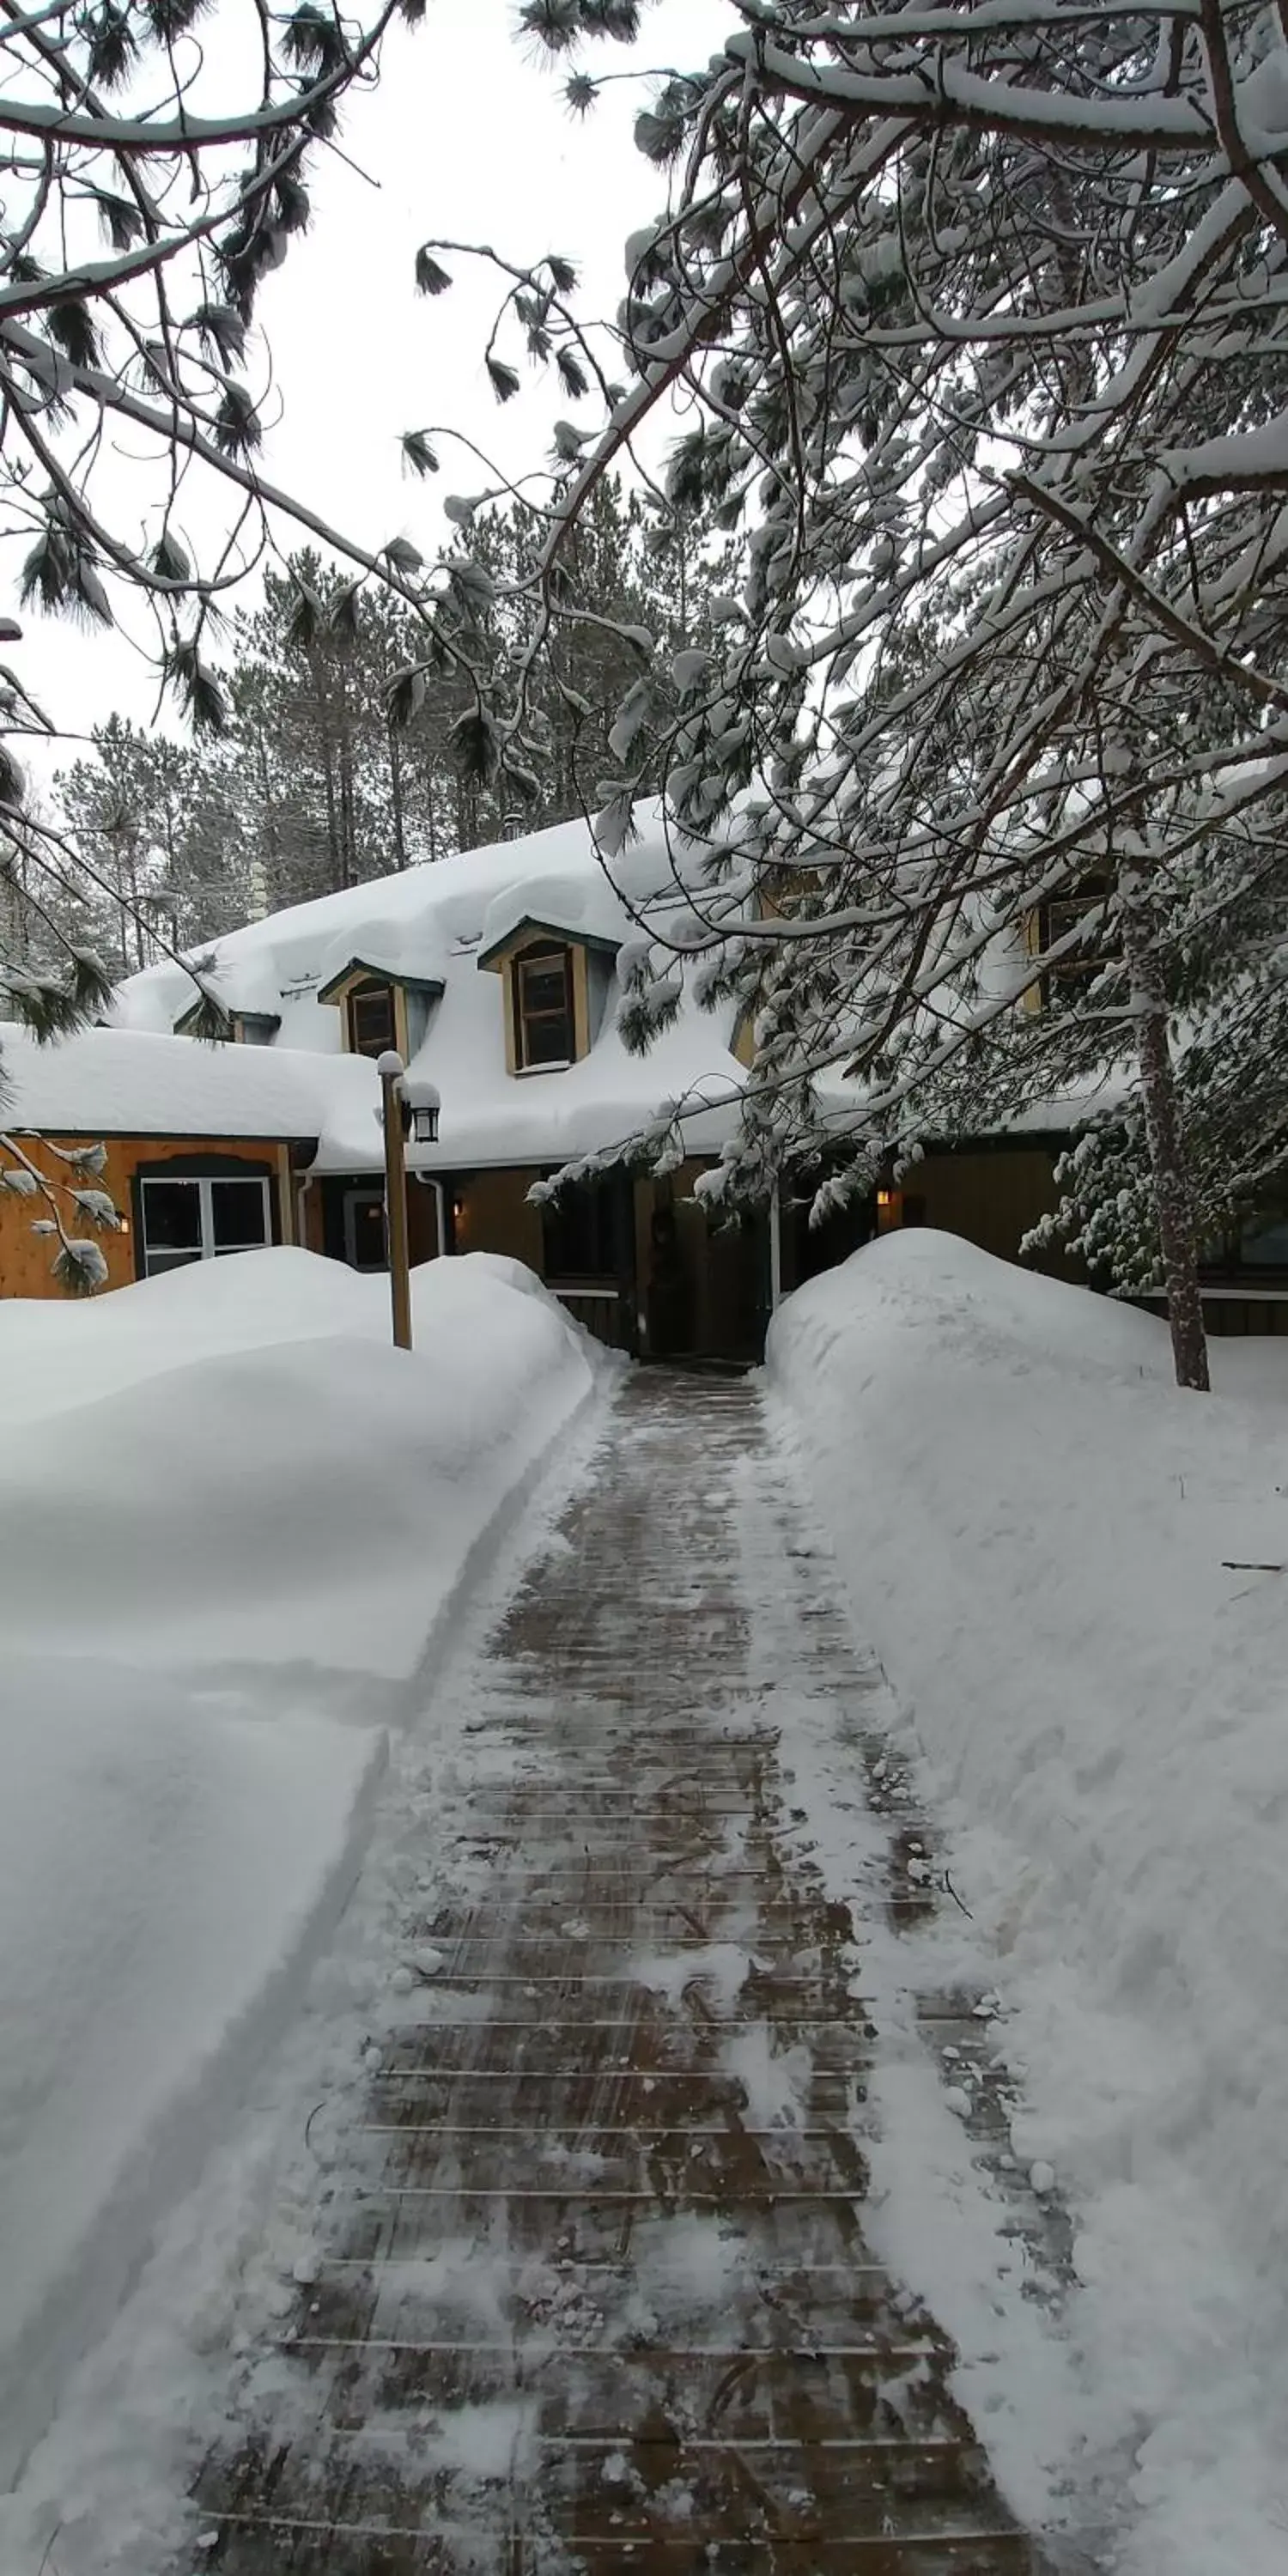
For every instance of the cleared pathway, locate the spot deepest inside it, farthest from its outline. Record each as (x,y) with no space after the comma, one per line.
(597,2294)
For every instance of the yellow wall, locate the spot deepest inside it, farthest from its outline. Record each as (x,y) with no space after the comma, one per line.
(27,1259)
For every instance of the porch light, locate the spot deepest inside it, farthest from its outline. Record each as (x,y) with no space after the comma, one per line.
(885,1198)
(421,1105)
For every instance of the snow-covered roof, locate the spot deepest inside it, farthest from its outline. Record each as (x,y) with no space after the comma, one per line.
(246,986)
(128,1082)
(136,1082)
(433,925)
(581,906)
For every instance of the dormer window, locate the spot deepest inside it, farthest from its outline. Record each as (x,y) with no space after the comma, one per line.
(255,1028)
(373,1028)
(556,982)
(207,1017)
(544,1009)
(383,1010)
(1084,908)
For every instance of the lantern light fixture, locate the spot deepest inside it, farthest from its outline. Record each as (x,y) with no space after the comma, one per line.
(421,1104)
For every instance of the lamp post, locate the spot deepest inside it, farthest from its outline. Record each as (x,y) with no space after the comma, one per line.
(409,1106)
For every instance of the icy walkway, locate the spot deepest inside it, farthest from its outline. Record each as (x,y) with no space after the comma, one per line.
(597,2293)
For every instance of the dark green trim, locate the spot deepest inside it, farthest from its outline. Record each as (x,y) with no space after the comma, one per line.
(431,984)
(530,928)
(247,1019)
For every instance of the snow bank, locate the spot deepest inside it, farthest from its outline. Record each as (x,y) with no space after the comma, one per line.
(230,1518)
(1034,1528)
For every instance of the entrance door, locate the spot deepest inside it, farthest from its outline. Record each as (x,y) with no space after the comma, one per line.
(586,1256)
(365,1245)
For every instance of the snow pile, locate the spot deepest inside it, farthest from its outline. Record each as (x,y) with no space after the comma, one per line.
(230,1519)
(1056,1554)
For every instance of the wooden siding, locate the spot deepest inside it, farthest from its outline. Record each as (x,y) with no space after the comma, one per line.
(991,1198)
(422,1222)
(1229,1315)
(26,1259)
(496,1217)
(309,1222)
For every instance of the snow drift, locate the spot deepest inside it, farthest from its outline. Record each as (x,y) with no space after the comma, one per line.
(230,1519)
(1054,1553)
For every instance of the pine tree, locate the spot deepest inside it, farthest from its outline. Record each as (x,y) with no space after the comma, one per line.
(312,787)
(152,825)
(983,327)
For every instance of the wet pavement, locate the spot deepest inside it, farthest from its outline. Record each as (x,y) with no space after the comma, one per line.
(596,2291)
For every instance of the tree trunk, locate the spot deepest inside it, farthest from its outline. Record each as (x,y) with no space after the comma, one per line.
(333,824)
(1173,1201)
(348,834)
(396,797)
(348,820)
(132,926)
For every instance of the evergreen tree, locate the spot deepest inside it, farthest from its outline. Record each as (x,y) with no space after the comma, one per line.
(311,787)
(983,326)
(152,823)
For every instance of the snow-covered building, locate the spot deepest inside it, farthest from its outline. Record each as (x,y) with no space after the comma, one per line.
(493,974)
(202,1149)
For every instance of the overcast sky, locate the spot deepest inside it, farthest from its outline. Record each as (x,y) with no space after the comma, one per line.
(467,136)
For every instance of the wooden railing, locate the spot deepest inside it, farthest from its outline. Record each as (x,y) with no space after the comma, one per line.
(604,1311)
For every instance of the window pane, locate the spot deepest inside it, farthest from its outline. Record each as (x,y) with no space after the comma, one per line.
(171,1216)
(545,987)
(155,1262)
(547,1041)
(1265,1247)
(238,1215)
(371,1021)
(580,1231)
